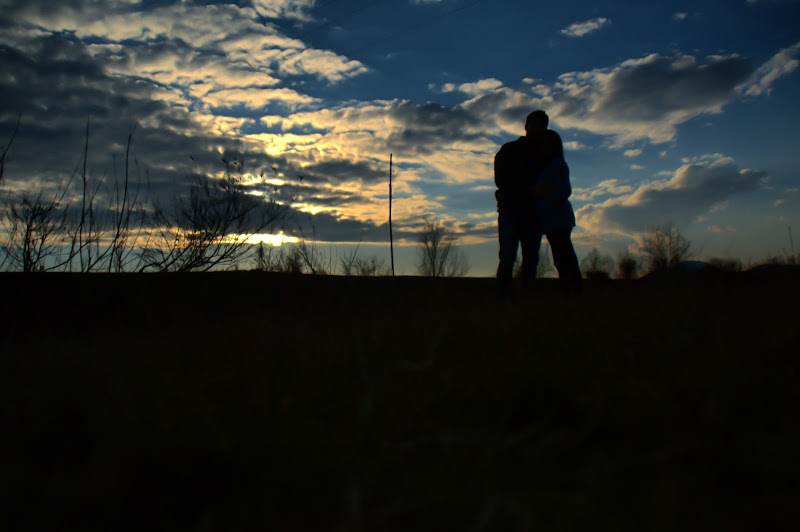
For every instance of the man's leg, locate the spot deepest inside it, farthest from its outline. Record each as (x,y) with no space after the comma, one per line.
(508,234)
(565,259)
(531,240)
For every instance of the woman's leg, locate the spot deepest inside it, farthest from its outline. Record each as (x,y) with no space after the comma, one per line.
(565,259)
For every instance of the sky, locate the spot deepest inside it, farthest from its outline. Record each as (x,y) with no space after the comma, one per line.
(682,112)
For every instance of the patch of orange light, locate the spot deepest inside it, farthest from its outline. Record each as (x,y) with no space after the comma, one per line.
(275,240)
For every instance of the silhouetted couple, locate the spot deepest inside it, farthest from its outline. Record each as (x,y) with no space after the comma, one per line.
(532,200)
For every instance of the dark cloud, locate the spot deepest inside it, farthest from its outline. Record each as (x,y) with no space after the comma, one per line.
(693,191)
(654,88)
(647,98)
(326,227)
(428,127)
(57,86)
(339,171)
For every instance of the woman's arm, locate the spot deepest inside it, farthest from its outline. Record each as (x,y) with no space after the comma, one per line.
(553,181)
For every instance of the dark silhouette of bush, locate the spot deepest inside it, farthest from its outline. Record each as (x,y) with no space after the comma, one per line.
(726,264)
(596,266)
(627,266)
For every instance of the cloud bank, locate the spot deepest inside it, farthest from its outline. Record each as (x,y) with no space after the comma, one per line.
(212,79)
(692,191)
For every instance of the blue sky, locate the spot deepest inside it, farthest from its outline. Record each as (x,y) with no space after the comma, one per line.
(681,112)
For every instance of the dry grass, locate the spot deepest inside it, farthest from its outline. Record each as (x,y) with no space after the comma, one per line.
(224,400)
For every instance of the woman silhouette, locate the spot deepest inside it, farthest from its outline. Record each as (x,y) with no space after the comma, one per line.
(554,215)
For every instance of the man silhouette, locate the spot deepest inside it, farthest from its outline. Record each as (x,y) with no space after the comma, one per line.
(516,167)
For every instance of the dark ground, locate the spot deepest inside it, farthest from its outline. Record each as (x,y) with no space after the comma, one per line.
(227,401)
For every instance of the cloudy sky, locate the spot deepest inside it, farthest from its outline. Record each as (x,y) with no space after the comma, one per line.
(678,111)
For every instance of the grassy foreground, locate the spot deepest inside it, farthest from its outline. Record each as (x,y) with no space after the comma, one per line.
(224,401)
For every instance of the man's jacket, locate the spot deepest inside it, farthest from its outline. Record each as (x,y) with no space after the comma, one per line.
(516,166)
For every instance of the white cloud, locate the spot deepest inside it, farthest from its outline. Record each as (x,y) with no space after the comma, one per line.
(781,64)
(255,98)
(633,153)
(574,145)
(283,8)
(222,45)
(680,16)
(609,187)
(579,29)
(474,89)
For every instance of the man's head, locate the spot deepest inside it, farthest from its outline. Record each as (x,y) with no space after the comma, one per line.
(536,124)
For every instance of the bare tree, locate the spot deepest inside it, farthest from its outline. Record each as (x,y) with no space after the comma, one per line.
(596,265)
(209,227)
(35,230)
(664,247)
(313,260)
(439,255)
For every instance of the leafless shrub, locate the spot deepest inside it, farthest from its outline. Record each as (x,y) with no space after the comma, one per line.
(128,207)
(314,261)
(627,266)
(371,266)
(87,229)
(439,255)
(209,227)
(353,264)
(596,265)
(268,258)
(35,230)
(664,247)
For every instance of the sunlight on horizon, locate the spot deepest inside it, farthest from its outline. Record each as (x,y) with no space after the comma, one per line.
(275,240)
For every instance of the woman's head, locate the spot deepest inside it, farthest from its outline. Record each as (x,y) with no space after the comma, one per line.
(553,147)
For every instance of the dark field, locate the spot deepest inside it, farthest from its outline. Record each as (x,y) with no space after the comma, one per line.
(232,401)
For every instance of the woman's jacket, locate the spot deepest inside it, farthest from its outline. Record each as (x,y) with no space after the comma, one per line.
(554,212)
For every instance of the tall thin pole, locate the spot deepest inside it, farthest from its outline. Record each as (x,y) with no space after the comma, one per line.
(391,240)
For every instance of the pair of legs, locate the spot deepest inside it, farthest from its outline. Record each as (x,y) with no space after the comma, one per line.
(517,229)
(564,259)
